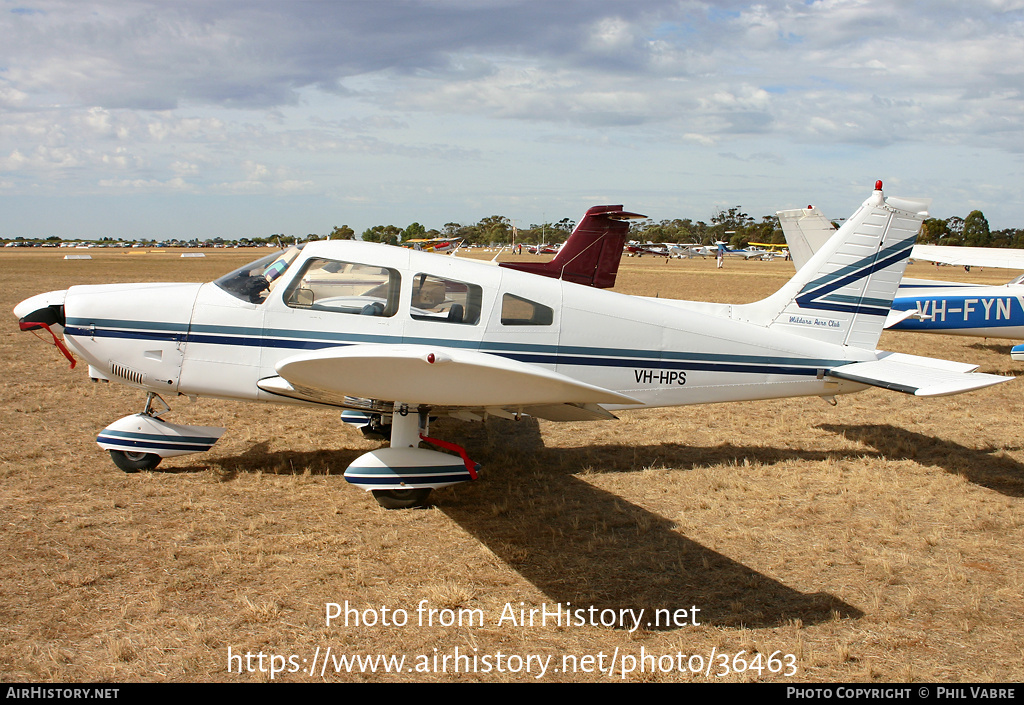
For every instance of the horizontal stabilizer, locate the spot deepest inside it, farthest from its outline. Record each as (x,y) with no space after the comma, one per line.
(920,376)
(436,376)
(897,316)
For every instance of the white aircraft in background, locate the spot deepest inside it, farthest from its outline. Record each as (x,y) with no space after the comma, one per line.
(635,248)
(404,336)
(769,250)
(927,306)
(691,250)
(745,253)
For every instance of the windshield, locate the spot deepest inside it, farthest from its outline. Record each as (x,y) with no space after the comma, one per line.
(255,280)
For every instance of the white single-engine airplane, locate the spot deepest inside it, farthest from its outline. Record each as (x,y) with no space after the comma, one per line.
(403,336)
(927,306)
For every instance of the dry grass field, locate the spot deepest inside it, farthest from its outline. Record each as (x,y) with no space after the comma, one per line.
(878,540)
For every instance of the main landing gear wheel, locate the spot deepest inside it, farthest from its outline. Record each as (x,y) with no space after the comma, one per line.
(401,499)
(132,461)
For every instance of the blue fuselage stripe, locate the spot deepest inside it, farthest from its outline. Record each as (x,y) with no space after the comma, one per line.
(535,354)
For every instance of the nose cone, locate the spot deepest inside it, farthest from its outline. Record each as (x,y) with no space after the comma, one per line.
(41,309)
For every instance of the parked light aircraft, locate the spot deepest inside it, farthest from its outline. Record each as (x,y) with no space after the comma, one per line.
(769,250)
(951,308)
(690,250)
(404,336)
(543,249)
(669,250)
(442,245)
(745,253)
(592,253)
(635,248)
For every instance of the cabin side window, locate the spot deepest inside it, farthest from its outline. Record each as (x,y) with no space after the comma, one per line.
(517,311)
(345,287)
(445,300)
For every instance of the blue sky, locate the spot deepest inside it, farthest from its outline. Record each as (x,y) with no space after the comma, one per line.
(228,118)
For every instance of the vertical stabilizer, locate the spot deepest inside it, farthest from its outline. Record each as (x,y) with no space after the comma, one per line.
(591,254)
(806,230)
(844,292)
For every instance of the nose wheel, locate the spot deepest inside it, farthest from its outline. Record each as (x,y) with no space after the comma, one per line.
(402,499)
(134,461)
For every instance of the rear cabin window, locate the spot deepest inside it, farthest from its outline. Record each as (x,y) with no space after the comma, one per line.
(445,300)
(345,287)
(517,311)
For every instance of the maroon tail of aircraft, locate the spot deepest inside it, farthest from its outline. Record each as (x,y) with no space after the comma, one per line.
(591,254)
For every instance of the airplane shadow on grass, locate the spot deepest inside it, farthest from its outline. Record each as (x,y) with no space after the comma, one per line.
(1000,348)
(582,545)
(982,467)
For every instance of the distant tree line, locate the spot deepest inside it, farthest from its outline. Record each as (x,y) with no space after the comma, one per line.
(492,230)
(972,231)
(732,226)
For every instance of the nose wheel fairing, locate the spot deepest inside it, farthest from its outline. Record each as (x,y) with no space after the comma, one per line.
(142,433)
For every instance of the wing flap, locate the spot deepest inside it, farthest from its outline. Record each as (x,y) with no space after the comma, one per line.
(920,376)
(437,376)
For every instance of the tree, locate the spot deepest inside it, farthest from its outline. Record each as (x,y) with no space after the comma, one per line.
(566,225)
(732,219)
(976,232)
(933,230)
(388,234)
(414,232)
(342,233)
(494,229)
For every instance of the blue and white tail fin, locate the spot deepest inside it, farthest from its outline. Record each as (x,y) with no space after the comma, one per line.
(844,292)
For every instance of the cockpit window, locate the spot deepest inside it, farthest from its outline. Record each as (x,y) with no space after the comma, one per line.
(517,311)
(255,280)
(345,287)
(445,300)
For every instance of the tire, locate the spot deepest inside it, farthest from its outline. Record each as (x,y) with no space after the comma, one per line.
(401,499)
(131,461)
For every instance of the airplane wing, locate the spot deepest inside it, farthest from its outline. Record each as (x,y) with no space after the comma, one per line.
(1000,257)
(920,376)
(434,375)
